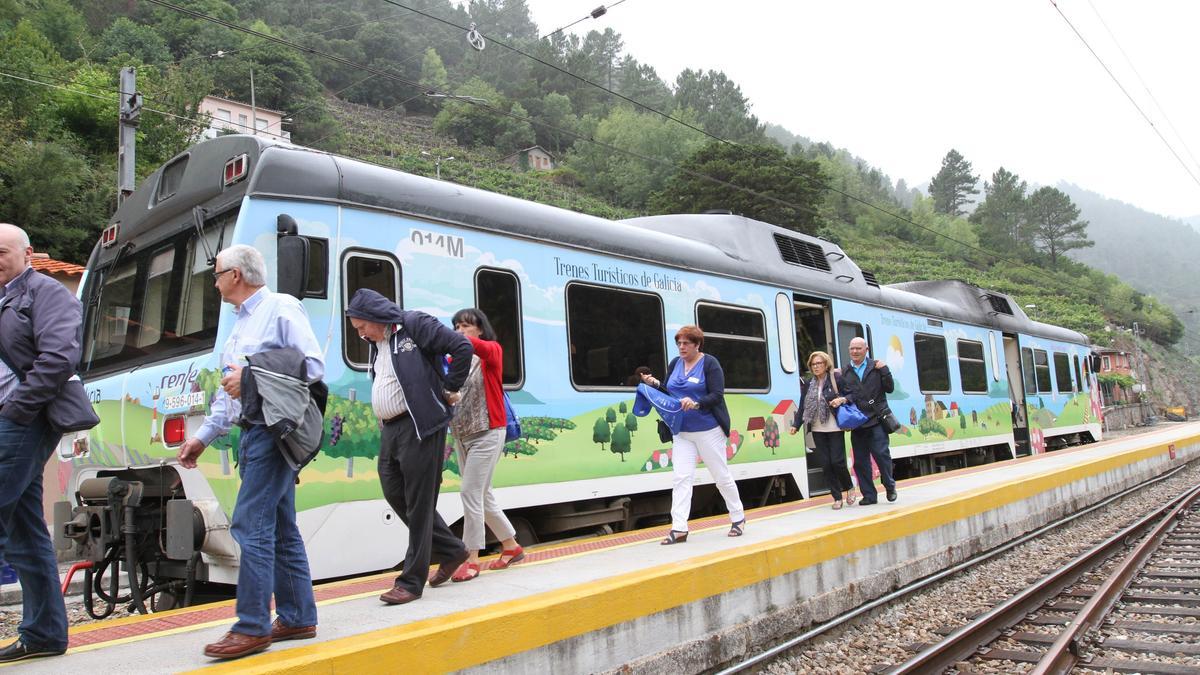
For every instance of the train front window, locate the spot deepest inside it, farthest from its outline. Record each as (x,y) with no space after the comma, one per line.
(154,303)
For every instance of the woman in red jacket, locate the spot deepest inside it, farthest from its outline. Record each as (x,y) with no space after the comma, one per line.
(478,427)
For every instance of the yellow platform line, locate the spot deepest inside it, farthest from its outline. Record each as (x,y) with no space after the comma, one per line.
(476,636)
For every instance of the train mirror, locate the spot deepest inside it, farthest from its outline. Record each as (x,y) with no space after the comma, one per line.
(292,261)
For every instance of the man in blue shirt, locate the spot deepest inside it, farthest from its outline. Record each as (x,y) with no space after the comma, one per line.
(866,384)
(273,557)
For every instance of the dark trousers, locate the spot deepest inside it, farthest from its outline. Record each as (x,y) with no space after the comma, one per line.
(872,443)
(24,537)
(831,456)
(410,470)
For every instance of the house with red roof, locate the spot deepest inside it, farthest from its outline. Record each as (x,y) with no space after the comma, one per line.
(68,274)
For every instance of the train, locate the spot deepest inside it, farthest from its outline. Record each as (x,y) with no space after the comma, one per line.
(578,303)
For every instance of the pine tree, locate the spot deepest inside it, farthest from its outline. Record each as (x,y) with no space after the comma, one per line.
(1002,218)
(952,185)
(1054,224)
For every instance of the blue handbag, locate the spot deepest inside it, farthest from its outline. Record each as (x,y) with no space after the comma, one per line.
(849,417)
(512,423)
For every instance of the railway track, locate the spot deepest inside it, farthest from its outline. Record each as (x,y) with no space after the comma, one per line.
(1143,581)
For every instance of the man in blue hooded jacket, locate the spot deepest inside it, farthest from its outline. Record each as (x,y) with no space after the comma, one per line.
(413,397)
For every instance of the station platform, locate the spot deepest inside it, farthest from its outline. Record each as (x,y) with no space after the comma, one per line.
(625,602)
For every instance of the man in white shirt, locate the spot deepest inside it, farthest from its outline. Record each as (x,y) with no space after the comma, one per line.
(273,557)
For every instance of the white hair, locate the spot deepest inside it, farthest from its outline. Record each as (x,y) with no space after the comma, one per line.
(247,259)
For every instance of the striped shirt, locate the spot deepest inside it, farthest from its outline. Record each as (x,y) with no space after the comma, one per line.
(387,397)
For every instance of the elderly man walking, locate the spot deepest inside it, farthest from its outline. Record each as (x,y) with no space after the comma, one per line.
(273,558)
(866,384)
(39,341)
(412,397)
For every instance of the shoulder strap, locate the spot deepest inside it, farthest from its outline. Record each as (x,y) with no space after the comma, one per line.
(833,380)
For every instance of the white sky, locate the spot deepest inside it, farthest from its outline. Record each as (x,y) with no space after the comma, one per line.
(1005,82)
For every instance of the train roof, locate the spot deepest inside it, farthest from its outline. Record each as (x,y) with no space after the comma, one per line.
(724,244)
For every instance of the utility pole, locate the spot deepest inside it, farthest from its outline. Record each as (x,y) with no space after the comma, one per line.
(127,123)
(253,107)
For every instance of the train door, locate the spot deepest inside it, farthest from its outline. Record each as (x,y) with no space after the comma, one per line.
(1016,394)
(814,328)
(814,332)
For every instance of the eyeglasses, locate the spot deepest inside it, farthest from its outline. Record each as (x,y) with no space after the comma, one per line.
(217,275)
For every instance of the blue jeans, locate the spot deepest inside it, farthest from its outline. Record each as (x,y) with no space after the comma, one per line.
(24,537)
(273,555)
(872,442)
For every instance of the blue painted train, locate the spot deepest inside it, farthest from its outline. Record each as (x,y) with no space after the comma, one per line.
(578,302)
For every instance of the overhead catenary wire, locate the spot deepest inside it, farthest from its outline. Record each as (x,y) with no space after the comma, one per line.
(1145,86)
(1125,91)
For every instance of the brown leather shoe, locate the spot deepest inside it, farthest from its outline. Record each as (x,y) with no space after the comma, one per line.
(236,645)
(446,568)
(398,596)
(281,631)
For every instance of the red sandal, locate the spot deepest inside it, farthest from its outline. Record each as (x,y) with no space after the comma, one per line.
(466,572)
(508,558)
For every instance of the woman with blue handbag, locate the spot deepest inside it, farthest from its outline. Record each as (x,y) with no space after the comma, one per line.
(478,425)
(830,440)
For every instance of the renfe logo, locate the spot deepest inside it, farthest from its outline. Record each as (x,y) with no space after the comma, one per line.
(180,379)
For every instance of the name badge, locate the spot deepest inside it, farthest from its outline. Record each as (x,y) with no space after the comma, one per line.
(694,380)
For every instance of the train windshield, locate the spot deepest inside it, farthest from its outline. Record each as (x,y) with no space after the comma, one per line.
(155,303)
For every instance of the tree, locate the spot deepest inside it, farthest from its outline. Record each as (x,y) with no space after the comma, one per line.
(514,133)
(719,103)
(135,40)
(790,189)
(620,441)
(1054,223)
(771,434)
(962,420)
(558,122)
(622,408)
(468,123)
(952,185)
(610,416)
(631,422)
(1001,218)
(601,433)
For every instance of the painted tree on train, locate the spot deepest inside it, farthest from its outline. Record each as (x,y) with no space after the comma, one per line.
(357,431)
(621,441)
(610,416)
(631,422)
(601,433)
(771,434)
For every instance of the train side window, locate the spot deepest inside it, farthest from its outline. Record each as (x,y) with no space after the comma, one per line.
(1041,366)
(498,295)
(737,336)
(933,369)
(610,332)
(1078,377)
(361,269)
(787,332)
(847,331)
(971,367)
(1027,371)
(1062,373)
(317,280)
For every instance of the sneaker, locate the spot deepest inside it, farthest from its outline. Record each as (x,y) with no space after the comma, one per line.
(891,494)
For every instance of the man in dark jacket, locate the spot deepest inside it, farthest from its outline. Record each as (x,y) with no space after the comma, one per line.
(39,333)
(413,399)
(866,384)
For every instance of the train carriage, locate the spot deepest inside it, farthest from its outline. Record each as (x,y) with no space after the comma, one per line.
(578,303)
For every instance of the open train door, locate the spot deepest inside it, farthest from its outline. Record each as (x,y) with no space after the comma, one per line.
(814,332)
(1016,394)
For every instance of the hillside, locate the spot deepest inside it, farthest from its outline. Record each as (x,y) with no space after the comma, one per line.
(1152,253)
